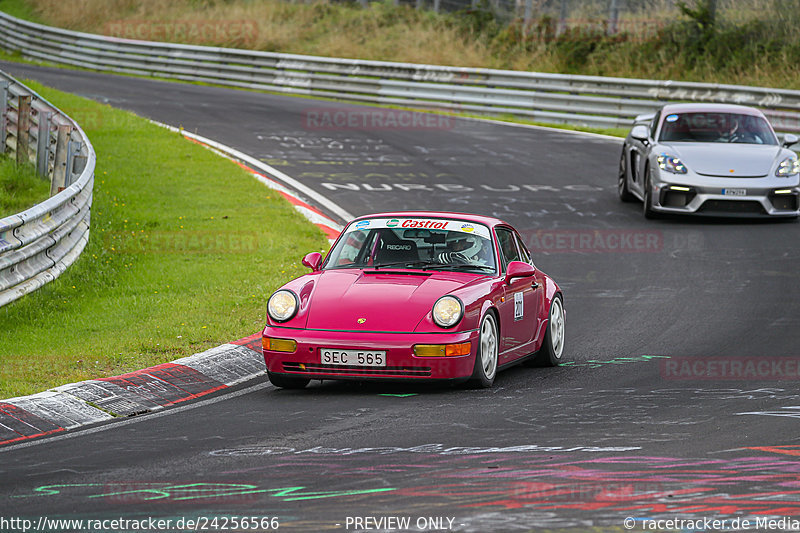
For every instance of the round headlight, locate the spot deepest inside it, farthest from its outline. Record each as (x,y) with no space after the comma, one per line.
(447,311)
(282,305)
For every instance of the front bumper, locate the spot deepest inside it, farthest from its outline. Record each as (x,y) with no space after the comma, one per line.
(401,363)
(702,195)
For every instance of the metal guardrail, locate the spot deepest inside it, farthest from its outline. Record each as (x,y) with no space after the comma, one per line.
(554,98)
(37,245)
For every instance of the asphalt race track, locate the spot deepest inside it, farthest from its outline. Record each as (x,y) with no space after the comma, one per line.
(650,419)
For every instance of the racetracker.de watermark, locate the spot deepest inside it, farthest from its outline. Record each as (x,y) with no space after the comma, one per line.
(201,30)
(730,368)
(633,30)
(341,119)
(593,240)
(760,524)
(146,524)
(619,491)
(181,242)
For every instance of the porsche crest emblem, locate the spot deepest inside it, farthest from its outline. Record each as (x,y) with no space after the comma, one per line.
(362,320)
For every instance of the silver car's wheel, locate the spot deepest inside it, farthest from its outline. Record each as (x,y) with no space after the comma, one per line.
(622,180)
(485,369)
(648,196)
(552,349)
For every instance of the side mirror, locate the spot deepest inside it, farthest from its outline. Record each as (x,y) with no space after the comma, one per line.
(518,269)
(789,139)
(640,133)
(313,260)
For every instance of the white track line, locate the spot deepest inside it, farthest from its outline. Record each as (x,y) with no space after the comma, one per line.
(600,136)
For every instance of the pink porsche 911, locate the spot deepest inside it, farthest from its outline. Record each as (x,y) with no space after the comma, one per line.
(415,296)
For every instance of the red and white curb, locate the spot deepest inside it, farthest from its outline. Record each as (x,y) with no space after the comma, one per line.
(143,391)
(151,389)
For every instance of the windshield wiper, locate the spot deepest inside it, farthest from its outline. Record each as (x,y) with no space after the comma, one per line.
(461,267)
(431,265)
(405,263)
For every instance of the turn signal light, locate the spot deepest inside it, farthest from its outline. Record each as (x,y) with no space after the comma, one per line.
(278,345)
(458,349)
(442,350)
(429,350)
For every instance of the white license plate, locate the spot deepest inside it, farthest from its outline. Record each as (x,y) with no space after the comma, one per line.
(734,192)
(332,356)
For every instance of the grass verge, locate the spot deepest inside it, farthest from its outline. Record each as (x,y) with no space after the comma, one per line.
(185,248)
(20,187)
(21,9)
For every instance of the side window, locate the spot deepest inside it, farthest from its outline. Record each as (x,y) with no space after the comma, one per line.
(352,246)
(508,246)
(524,254)
(654,125)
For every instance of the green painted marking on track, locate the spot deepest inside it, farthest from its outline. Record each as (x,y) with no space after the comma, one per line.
(195,491)
(595,363)
(399,395)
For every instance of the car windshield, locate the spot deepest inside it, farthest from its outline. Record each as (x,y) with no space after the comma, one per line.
(716,128)
(414,243)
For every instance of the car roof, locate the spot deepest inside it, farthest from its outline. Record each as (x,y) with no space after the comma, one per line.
(467,217)
(716,108)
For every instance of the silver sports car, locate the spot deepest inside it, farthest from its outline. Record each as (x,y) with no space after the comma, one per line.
(709,159)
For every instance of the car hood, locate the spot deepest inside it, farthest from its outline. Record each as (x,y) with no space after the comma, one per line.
(727,160)
(386,301)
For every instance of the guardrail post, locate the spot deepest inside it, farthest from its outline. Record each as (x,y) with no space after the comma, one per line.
(78,160)
(436,5)
(79,163)
(3,115)
(73,152)
(23,128)
(43,145)
(59,179)
(528,14)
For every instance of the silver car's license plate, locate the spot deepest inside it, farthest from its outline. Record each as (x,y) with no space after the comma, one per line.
(331,356)
(734,192)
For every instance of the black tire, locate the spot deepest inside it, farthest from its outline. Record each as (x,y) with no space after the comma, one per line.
(485,369)
(622,179)
(551,353)
(287,382)
(647,197)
